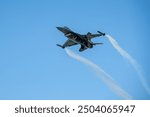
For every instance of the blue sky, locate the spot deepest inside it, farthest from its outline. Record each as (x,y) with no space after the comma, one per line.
(33,67)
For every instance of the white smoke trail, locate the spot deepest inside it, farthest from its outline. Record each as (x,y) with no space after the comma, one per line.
(106,78)
(132,61)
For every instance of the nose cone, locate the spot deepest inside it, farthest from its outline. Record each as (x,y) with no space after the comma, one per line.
(60,28)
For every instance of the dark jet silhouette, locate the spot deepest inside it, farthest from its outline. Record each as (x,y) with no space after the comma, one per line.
(76,38)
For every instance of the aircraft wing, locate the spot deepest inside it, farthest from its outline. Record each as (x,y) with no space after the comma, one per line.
(82,48)
(69,43)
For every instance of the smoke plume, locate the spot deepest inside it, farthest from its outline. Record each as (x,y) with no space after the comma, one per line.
(106,78)
(132,61)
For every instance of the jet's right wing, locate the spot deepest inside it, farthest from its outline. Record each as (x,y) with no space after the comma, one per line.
(69,43)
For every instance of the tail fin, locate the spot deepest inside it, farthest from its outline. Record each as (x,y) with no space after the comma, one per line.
(101,33)
(60,46)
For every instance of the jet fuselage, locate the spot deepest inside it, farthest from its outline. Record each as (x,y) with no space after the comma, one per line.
(75,37)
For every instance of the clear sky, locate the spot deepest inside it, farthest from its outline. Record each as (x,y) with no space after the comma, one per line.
(33,67)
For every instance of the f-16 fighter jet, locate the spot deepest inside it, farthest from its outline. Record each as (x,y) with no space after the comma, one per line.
(76,38)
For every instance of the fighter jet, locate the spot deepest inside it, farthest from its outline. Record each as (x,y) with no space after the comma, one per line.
(76,38)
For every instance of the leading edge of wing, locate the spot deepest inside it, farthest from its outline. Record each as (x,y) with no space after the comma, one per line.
(68,43)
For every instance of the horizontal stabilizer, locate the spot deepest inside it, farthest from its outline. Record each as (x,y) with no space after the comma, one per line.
(97,43)
(60,46)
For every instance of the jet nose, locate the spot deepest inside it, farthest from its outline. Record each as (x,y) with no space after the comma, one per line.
(59,28)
